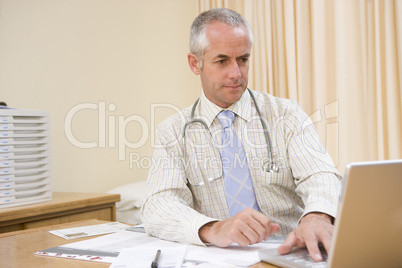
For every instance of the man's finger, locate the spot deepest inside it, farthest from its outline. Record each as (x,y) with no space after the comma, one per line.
(251,233)
(326,239)
(273,228)
(259,223)
(289,243)
(261,229)
(242,239)
(314,250)
(264,222)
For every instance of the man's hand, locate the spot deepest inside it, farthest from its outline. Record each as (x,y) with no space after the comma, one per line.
(313,228)
(245,228)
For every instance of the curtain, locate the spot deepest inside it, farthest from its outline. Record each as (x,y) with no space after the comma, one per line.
(341,60)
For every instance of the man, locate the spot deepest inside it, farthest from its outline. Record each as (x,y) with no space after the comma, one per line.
(184,203)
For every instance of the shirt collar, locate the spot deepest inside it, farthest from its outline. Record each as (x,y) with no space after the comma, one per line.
(208,110)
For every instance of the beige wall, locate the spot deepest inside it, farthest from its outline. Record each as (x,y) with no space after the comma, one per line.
(93,56)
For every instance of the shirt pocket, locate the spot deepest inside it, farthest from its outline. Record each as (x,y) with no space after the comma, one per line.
(282,178)
(200,170)
(208,190)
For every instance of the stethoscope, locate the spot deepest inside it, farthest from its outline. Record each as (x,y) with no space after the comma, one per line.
(268,166)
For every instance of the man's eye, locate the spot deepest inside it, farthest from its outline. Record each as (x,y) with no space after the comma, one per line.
(221,61)
(244,59)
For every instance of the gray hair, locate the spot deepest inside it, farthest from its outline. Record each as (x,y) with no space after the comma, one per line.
(199,42)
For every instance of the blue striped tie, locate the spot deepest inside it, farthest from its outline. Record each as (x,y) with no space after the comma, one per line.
(239,189)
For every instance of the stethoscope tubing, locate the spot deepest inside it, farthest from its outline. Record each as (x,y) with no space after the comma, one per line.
(271,167)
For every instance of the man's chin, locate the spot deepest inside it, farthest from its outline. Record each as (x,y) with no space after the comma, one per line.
(233,96)
(235,93)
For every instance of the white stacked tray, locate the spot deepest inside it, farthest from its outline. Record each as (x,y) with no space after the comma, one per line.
(24,157)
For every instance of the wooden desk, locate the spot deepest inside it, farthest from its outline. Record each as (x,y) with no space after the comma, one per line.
(17,248)
(63,208)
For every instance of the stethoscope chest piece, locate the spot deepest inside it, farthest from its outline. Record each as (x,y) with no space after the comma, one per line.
(270,167)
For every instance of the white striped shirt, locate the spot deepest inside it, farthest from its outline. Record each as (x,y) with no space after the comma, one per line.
(176,206)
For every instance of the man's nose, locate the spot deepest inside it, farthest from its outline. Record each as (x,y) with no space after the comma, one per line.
(234,72)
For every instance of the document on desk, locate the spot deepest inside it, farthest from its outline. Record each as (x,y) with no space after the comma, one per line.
(142,258)
(107,248)
(91,230)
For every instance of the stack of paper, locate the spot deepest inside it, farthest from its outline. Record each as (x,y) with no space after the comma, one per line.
(24,157)
(98,229)
(143,257)
(126,249)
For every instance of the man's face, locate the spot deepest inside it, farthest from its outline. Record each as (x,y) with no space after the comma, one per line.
(224,73)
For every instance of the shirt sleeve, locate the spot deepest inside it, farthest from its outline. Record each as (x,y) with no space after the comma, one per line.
(168,210)
(317,180)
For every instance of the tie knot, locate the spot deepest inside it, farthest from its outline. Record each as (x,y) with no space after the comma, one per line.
(226,118)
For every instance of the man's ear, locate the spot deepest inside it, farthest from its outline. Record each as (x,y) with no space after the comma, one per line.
(194,63)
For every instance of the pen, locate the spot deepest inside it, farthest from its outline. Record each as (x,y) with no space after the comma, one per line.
(155,262)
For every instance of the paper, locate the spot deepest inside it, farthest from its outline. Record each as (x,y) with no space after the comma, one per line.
(98,229)
(137,228)
(61,252)
(142,258)
(107,248)
(234,255)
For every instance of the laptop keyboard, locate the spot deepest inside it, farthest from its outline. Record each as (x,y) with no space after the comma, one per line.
(297,258)
(305,260)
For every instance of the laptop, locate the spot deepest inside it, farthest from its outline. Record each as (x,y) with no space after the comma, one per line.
(368,227)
